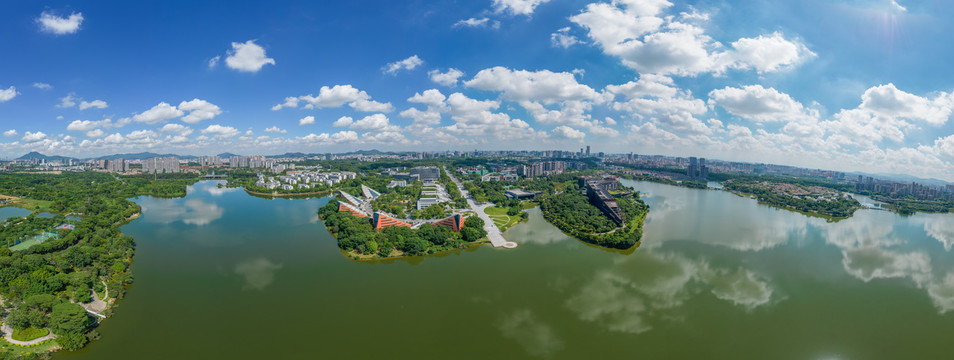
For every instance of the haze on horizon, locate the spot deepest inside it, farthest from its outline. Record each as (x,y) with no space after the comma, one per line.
(843,85)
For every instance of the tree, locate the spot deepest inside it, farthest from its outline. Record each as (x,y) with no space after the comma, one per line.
(82,295)
(371,247)
(37,319)
(19,319)
(471,234)
(69,319)
(474,222)
(415,246)
(43,302)
(72,341)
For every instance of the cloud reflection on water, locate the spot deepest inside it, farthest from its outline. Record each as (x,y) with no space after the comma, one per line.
(649,287)
(742,287)
(192,211)
(258,273)
(875,246)
(534,335)
(755,231)
(940,227)
(536,230)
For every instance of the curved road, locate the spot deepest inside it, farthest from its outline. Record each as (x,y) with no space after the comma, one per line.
(8,336)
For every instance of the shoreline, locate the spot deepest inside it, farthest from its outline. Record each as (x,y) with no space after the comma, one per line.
(468,246)
(277,194)
(830,218)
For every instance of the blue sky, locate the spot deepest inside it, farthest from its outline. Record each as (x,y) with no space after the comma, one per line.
(847,85)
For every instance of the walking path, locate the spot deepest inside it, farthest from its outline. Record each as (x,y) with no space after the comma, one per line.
(493,232)
(97,306)
(8,336)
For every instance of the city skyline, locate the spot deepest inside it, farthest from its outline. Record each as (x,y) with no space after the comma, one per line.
(866,91)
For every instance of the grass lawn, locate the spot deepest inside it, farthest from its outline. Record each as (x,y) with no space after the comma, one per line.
(500,217)
(29,333)
(494,210)
(32,205)
(23,245)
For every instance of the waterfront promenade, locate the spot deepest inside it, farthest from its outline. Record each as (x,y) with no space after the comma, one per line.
(493,232)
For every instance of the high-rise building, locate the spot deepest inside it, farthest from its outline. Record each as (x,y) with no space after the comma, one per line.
(161,165)
(587,151)
(209,160)
(542,168)
(117,165)
(697,169)
(255,162)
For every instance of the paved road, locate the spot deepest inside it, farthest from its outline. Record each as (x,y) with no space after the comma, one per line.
(493,233)
(8,336)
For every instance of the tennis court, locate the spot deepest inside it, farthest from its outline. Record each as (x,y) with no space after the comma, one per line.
(26,244)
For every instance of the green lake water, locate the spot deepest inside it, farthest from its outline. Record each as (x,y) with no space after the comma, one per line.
(223,275)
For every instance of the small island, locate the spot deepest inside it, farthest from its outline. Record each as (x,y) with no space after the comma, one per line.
(816,200)
(599,211)
(368,236)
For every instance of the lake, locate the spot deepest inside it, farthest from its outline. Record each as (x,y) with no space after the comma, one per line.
(220,274)
(10,211)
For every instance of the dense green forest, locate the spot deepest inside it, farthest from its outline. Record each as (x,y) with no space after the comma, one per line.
(838,208)
(493,191)
(692,184)
(39,283)
(910,205)
(356,236)
(572,213)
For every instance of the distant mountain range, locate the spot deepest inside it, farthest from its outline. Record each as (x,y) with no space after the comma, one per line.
(36,155)
(142,156)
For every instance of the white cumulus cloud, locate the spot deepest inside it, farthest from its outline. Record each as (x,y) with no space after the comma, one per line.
(275,129)
(99,104)
(307,120)
(567,132)
(33,136)
(158,113)
(376,122)
(517,7)
(343,121)
(198,110)
(406,64)
(643,38)
(563,39)
(247,57)
(220,131)
(177,129)
(757,103)
(475,22)
(8,94)
(60,25)
(448,78)
(87,125)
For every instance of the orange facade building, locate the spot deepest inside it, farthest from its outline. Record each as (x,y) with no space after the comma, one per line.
(381,221)
(454,222)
